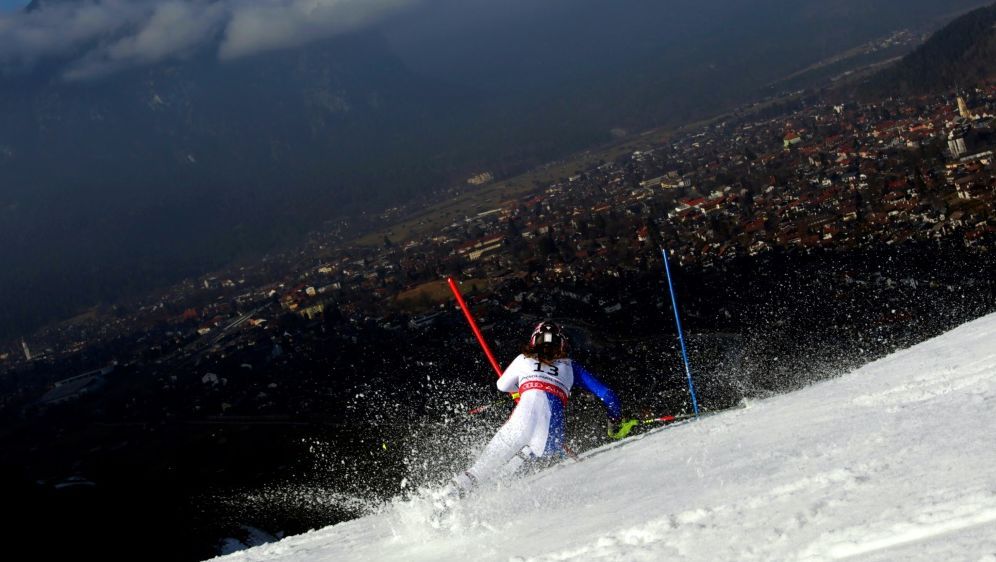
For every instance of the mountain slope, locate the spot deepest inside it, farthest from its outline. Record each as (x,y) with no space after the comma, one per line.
(891,462)
(961,54)
(174,166)
(157,173)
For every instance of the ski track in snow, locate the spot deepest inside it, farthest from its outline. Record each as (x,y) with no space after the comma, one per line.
(895,461)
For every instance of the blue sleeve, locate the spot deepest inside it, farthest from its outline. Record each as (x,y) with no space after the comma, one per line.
(587,381)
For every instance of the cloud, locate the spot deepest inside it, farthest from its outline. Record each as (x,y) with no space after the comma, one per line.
(173,29)
(64,28)
(276,24)
(96,37)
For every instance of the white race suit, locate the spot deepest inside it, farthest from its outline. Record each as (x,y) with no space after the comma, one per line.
(536,426)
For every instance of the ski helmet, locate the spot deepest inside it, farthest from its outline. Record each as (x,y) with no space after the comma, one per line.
(548,333)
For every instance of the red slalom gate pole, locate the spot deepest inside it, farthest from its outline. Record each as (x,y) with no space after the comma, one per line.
(473,325)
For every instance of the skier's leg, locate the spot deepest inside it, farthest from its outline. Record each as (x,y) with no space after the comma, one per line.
(546,444)
(530,416)
(520,459)
(503,447)
(548,438)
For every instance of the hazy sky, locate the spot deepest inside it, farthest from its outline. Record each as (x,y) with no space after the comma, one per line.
(10,5)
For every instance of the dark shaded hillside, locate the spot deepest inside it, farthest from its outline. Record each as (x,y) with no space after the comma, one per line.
(959,55)
(112,186)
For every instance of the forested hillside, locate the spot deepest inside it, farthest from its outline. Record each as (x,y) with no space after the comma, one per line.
(961,54)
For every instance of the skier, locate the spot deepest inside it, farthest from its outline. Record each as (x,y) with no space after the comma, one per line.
(542,376)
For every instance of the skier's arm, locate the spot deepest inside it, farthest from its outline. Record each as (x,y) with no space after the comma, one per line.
(587,381)
(509,381)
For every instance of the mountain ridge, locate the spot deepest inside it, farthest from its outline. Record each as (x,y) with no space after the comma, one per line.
(960,55)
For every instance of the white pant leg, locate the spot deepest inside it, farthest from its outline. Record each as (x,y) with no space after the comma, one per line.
(529,426)
(541,424)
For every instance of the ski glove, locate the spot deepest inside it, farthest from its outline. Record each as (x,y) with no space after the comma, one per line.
(621,428)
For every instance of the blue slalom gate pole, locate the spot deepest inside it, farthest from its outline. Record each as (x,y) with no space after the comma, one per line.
(681,334)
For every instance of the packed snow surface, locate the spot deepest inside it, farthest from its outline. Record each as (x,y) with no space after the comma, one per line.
(895,461)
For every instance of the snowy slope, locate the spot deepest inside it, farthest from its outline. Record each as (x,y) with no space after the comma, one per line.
(895,461)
